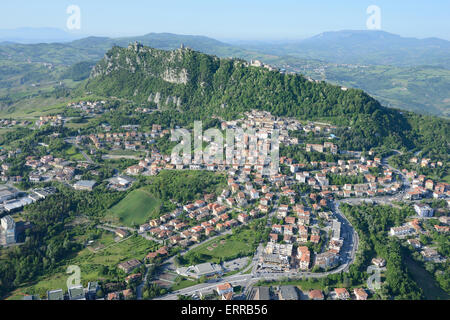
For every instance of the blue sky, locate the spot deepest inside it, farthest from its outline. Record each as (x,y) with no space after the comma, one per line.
(231,19)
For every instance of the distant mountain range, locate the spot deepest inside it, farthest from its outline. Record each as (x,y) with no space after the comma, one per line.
(345,47)
(364,47)
(93,48)
(330,56)
(37,35)
(195,86)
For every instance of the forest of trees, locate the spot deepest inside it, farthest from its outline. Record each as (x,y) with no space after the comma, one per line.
(79,71)
(184,186)
(48,242)
(227,87)
(340,180)
(372,223)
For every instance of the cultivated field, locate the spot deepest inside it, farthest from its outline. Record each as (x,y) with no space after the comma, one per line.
(136,208)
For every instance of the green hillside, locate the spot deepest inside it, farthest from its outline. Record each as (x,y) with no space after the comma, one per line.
(201,85)
(136,208)
(420,89)
(368,47)
(409,84)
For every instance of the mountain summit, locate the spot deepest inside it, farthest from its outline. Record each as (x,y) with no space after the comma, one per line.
(371,47)
(201,85)
(37,35)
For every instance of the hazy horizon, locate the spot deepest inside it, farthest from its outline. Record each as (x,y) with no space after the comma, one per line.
(71,36)
(233,20)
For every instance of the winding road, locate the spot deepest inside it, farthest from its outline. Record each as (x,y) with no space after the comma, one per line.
(348,253)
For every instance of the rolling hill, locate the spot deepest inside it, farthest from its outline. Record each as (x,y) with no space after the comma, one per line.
(357,56)
(37,35)
(199,86)
(371,47)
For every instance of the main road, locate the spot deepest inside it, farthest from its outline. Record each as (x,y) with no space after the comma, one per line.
(348,253)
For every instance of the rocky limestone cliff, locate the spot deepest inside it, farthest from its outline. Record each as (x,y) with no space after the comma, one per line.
(166,65)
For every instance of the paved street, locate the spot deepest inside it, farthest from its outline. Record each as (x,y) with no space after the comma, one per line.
(347,256)
(247,280)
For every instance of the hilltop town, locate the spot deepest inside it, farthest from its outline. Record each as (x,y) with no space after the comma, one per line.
(188,249)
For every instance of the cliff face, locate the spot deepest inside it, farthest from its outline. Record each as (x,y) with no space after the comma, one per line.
(204,85)
(174,76)
(151,75)
(170,66)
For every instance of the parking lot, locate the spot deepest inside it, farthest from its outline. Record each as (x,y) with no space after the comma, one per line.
(236,264)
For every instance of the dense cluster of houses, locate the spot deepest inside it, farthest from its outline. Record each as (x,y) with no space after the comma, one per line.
(9,123)
(411,231)
(54,121)
(251,192)
(426,162)
(48,168)
(425,188)
(372,185)
(90,107)
(279,254)
(129,139)
(195,221)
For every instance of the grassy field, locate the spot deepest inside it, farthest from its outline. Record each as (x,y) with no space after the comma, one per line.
(91,264)
(85,123)
(226,247)
(136,208)
(447,178)
(73,154)
(133,247)
(5,130)
(33,108)
(183,283)
(127,153)
(30,103)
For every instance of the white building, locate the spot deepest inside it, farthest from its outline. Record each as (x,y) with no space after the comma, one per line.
(7,193)
(423,210)
(8,230)
(401,231)
(326,260)
(84,185)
